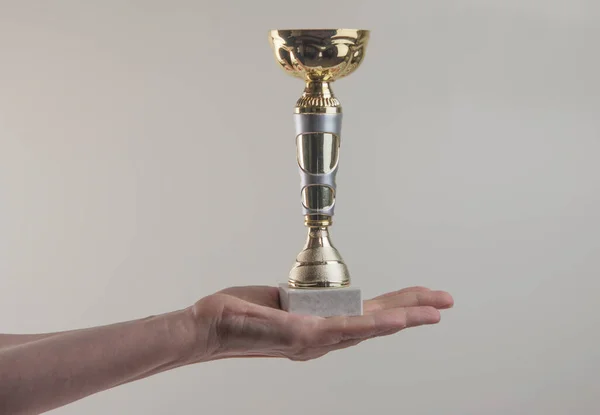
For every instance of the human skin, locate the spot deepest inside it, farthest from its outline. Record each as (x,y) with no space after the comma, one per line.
(41,372)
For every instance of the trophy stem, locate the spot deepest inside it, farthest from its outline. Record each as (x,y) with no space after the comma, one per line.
(318,98)
(317,221)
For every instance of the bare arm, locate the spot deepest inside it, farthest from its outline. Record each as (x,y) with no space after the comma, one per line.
(42,372)
(9,340)
(50,370)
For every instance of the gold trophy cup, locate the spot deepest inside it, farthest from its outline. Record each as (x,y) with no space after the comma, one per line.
(319,282)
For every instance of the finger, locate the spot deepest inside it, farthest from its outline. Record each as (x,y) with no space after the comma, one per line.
(261,295)
(404,290)
(413,320)
(437,299)
(374,324)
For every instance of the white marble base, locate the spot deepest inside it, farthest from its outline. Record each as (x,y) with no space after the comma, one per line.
(323,302)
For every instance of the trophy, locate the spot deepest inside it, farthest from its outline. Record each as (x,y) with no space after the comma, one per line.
(319,282)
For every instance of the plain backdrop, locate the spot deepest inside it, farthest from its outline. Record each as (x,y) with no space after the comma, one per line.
(147,159)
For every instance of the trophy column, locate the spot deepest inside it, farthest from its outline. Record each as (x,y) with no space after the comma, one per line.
(319,282)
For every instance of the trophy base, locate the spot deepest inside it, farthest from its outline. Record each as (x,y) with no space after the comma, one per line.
(322,302)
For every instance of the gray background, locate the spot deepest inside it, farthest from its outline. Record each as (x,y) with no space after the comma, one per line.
(147,159)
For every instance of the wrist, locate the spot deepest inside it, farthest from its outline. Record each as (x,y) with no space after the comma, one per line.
(192,334)
(181,332)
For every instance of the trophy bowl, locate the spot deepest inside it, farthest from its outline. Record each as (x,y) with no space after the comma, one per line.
(319,54)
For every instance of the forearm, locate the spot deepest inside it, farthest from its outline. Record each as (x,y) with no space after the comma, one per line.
(11,340)
(53,370)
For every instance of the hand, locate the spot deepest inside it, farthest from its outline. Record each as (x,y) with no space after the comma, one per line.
(248,321)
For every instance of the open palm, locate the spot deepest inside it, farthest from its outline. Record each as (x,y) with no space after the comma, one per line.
(248,321)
